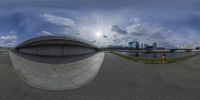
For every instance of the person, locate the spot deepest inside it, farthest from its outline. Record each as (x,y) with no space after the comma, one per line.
(163,56)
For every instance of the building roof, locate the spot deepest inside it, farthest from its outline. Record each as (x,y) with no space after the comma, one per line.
(67,39)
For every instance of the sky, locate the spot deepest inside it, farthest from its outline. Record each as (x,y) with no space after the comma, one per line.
(170,23)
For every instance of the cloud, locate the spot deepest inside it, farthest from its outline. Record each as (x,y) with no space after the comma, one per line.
(190,20)
(45,33)
(146,33)
(100,4)
(105,36)
(120,25)
(117,41)
(59,20)
(149,33)
(8,40)
(29,24)
(136,29)
(115,28)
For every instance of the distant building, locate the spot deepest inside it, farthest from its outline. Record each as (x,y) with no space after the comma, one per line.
(142,45)
(131,44)
(134,44)
(160,48)
(145,45)
(56,46)
(137,45)
(154,46)
(187,46)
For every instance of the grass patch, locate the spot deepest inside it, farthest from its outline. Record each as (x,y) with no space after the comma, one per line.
(155,60)
(4,53)
(1,52)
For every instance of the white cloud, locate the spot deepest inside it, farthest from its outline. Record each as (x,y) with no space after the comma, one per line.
(8,40)
(147,33)
(135,28)
(58,20)
(44,33)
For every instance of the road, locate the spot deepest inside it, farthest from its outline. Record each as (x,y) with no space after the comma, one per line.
(118,79)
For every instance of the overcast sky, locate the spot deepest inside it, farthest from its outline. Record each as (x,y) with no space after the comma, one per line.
(170,23)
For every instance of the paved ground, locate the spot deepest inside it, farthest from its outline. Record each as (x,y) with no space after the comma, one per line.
(59,76)
(118,79)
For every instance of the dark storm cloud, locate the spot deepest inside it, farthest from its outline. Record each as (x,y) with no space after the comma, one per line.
(103,4)
(191,21)
(157,36)
(138,34)
(116,41)
(105,36)
(115,28)
(167,44)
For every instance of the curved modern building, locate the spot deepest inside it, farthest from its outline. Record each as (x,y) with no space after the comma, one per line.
(56,62)
(56,46)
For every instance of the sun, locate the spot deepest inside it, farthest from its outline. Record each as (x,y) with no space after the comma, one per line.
(98,34)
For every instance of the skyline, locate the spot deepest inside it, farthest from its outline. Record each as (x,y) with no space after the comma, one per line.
(107,22)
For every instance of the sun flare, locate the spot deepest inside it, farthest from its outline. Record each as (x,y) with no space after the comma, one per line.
(98,34)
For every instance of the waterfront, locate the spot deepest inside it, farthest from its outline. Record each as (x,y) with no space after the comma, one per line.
(157,54)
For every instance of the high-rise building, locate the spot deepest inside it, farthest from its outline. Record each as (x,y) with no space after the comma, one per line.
(154,46)
(142,45)
(131,44)
(145,45)
(134,44)
(137,45)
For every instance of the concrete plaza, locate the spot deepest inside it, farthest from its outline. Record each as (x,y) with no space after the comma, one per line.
(118,79)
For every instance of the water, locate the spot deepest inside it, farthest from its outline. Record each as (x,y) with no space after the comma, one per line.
(157,55)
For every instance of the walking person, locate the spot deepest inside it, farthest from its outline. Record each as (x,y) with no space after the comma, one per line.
(164,57)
